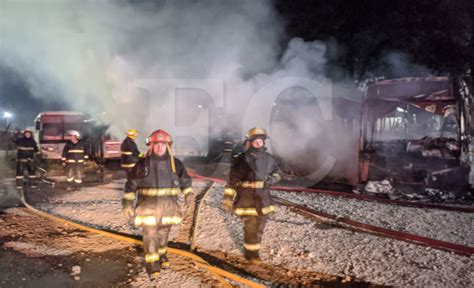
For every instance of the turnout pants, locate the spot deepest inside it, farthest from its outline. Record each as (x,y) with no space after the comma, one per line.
(29,166)
(253,232)
(155,241)
(75,173)
(129,185)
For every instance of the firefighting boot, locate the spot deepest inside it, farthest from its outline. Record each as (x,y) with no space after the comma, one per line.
(153,270)
(252,256)
(19,183)
(165,263)
(33,184)
(21,194)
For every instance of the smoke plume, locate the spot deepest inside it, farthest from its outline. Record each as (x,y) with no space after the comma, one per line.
(88,52)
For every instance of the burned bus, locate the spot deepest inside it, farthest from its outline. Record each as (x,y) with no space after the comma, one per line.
(52,127)
(416,132)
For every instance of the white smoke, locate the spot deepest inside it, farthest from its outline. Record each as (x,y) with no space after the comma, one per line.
(87,52)
(400,65)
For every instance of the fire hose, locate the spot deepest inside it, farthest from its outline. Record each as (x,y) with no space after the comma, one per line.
(199,262)
(394,234)
(354,196)
(355,225)
(367,228)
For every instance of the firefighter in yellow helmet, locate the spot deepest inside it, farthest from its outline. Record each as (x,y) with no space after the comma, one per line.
(252,173)
(129,156)
(159,178)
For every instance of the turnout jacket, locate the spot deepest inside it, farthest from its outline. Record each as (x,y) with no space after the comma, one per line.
(251,175)
(75,153)
(26,148)
(157,190)
(129,152)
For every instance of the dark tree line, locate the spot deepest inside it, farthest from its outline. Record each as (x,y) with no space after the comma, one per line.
(438,34)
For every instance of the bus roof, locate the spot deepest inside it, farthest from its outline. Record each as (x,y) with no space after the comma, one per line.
(58,113)
(412,89)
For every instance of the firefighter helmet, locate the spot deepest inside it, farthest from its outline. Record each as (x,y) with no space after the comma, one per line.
(74,133)
(255,133)
(159,136)
(132,133)
(27,130)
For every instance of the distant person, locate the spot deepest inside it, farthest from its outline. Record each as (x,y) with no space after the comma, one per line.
(74,154)
(159,178)
(251,175)
(25,158)
(129,157)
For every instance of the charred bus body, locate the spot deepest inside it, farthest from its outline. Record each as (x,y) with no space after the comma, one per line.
(323,150)
(104,147)
(52,127)
(417,133)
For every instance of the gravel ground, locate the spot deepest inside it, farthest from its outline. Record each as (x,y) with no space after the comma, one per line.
(38,252)
(455,227)
(299,244)
(291,240)
(101,206)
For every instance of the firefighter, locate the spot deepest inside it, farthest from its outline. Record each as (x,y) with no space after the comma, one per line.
(252,173)
(159,178)
(73,157)
(130,156)
(25,158)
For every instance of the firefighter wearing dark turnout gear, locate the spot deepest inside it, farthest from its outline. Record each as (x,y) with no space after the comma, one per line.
(252,173)
(159,178)
(75,153)
(129,157)
(25,159)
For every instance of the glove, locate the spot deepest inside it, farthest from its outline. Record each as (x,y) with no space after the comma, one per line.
(227,205)
(271,180)
(128,212)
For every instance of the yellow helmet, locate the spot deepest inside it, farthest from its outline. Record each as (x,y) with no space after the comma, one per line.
(132,133)
(255,133)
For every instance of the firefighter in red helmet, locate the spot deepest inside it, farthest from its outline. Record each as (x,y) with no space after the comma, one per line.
(159,178)
(252,173)
(75,152)
(25,158)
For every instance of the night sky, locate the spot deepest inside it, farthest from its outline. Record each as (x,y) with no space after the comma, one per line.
(15,97)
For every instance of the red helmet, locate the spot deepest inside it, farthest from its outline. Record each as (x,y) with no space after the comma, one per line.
(159,136)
